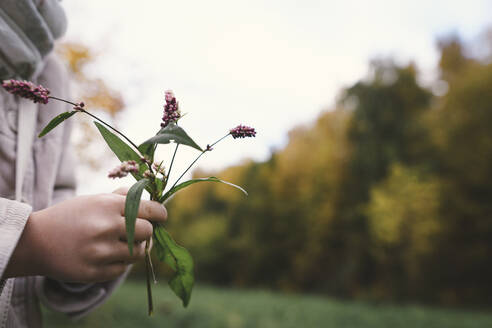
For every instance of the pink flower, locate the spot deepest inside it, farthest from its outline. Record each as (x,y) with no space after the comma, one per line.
(168,95)
(79,106)
(29,90)
(242,131)
(148,174)
(159,168)
(171,109)
(123,169)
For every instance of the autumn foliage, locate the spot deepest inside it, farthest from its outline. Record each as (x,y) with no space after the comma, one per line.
(388,196)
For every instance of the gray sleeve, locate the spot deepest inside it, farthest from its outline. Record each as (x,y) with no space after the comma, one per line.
(75,300)
(13,218)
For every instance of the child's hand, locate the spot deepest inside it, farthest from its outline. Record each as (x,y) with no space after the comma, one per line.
(82,239)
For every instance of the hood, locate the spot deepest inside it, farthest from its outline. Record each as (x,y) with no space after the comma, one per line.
(28,30)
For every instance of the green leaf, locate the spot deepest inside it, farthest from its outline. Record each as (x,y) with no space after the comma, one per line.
(183,279)
(54,122)
(147,150)
(159,184)
(132,204)
(121,149)
(164,255)
(193,181)
(172,132)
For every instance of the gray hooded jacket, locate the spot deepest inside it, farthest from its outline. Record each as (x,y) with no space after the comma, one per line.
(34,173)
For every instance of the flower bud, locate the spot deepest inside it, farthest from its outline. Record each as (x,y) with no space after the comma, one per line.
(123,169)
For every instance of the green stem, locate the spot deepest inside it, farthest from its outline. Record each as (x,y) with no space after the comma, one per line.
(189,167)
(196,159)
(148,266)
(63,100)
(109,126)
(171,165)
(220,140)
(97,118)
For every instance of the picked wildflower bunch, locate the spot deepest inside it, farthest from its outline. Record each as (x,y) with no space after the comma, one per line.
(138,161)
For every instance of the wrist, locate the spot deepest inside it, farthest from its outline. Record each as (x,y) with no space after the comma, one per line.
(26,257)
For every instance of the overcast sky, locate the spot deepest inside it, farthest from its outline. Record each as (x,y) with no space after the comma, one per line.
(268,64)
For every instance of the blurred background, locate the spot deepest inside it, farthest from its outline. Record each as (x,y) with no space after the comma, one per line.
(370,180)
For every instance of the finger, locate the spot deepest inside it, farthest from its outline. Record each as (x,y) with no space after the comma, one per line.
(121,254)
(152,211)
(110,271)
(147,209)
(143,230)
(121,191)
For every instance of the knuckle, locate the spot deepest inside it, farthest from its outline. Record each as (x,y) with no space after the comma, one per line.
(102,199)
(95,201)
(110,273)
(100,252)
(146,209)
(118,201)
(139,252)
(147,229)
(157,211)
(91,273)
(120,270)
(91,252)
(121,191)
(103,227)
(116,271)
(109,200)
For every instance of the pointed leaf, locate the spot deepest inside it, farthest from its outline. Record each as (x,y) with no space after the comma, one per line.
(193,181)
(159,185)
(147,150)
(121,149)
(182,281)
(164,255)
(132,204)
(175,133)
(55,121)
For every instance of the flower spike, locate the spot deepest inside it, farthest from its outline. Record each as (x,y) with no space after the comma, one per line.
(171,109)
(28,90)
(123,169)
(242,131)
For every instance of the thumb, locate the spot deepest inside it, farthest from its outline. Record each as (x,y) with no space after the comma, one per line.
(121,191)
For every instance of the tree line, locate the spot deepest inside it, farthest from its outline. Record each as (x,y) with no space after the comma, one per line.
(388,196)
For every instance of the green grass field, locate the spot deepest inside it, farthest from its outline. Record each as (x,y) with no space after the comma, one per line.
(217,307)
